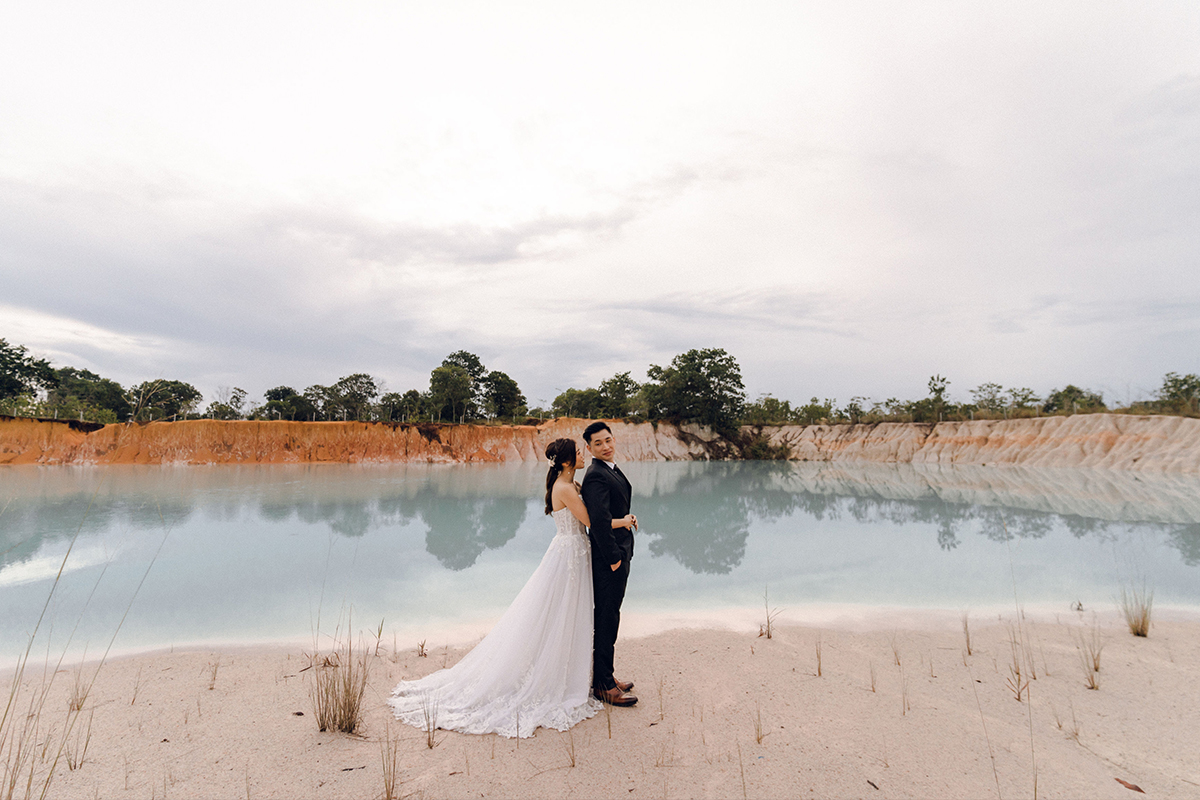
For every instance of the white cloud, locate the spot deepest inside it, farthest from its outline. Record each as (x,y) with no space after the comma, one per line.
(848,198)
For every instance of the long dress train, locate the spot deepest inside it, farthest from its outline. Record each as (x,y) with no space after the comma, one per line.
(535,666)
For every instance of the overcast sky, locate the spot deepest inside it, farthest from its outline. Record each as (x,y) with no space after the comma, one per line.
(846,197)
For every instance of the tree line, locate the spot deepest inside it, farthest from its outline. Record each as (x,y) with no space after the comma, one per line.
(702,386)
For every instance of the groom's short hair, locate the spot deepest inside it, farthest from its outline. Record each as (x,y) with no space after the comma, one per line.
(593,429)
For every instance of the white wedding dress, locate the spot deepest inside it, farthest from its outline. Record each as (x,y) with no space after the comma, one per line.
(534,668)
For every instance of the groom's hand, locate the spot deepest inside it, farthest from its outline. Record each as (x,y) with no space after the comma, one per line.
(616,566)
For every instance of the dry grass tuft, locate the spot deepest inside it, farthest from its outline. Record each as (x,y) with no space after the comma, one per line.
(429,710)
(1017,680)
(212,674)
(76,751)
(895,647)
(818,655)
(339,680)
(1089,647)
(421,651)
(79,690)
(767,629)
(872,666)
(389,752)
(759,733)
(1136,605)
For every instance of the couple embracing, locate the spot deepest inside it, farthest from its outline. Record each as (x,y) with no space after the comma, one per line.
(548,662)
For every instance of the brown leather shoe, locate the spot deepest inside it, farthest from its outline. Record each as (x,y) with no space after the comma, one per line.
(624,686)
(614,697)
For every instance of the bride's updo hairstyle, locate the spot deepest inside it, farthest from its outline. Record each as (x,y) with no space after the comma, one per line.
(558,452)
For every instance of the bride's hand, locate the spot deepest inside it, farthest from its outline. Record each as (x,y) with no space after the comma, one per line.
(629,521)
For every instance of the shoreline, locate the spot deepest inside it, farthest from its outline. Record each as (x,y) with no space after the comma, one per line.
(220,722)
(842,618)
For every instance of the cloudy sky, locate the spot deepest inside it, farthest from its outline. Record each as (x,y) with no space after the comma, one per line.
(846,197)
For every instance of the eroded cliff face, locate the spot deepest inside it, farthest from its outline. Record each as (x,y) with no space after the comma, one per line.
(1113,441)
(26,441)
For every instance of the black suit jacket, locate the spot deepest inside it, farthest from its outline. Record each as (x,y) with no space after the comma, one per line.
(607,496)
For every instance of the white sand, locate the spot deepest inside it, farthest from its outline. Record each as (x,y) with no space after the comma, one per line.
(160,731)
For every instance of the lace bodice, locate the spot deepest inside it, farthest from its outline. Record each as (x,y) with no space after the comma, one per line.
(566,524)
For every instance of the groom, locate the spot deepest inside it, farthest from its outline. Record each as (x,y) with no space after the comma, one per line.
(606,493)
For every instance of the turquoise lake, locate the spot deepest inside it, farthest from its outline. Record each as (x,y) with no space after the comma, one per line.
(252,554)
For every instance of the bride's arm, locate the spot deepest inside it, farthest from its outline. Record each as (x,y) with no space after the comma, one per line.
(571,499)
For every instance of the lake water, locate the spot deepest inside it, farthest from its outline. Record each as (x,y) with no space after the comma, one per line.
(246,554)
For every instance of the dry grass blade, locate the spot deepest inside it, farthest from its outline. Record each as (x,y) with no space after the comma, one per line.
(872,666)
(1136,605)
(966,625)
(570,745)
(818,656)
(759,734)
(659,684)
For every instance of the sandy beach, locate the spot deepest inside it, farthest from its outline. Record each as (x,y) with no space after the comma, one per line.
(810,712)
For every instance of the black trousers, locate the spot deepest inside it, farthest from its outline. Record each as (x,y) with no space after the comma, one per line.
(608,590)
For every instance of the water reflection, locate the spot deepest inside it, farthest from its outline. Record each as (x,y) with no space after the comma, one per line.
(256,552)
(698,514)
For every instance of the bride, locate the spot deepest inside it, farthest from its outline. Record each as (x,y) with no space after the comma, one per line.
(534,668)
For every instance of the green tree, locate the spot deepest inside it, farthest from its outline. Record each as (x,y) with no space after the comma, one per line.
(283,402)
(502,395)
(617,396)
(354,394)
(815,412)
(582,403)
(451,389)
(475,369)
(21,373)
(416,405)
(1180,392)
(160,399)
(767,410)
(1072,399)
(391,406)
(988,397)
(703,386)
(229,404)
(855,410)
(1022,397)
(937,396)
(81,390)
(322,402)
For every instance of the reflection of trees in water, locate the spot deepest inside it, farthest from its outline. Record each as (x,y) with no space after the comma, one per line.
(704,523)
(700,514)
(459,528)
